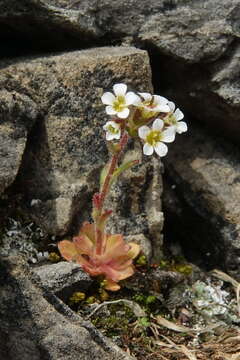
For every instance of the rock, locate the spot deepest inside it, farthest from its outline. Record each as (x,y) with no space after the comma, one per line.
(195,43)
(36,325)
(18,114)
(203,199)
(66,148)
(63,278)
(201,45)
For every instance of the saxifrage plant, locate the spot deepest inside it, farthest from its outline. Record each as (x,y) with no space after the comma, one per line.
(154,120)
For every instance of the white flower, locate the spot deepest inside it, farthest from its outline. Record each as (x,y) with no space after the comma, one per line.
(113,130)
(118,104)
(152,103)
(155,138)
(174,119)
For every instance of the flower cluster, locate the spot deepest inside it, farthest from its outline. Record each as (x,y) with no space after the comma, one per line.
(152,118)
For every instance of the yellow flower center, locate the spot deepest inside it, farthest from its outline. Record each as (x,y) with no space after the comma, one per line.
(119,103)
(112,129)
(153,137)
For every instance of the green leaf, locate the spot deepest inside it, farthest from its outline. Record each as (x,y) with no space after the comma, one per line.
(122,168)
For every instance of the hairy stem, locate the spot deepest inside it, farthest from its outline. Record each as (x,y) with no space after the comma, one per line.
(100,238)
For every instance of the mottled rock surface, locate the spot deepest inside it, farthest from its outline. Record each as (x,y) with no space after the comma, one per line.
(18,113)
(63,278)
(66,148)
(203,199)
(194,44)
(36,325)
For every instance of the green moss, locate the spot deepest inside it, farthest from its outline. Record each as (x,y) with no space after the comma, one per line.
(141,260)
(144,321)
(117,323)
(77,297)
(54,257)
(150,299)
(103,294)
(145,299)
(185,269)
(91,300)
(176,264)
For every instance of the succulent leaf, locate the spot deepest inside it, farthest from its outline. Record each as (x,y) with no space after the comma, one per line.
(68,250)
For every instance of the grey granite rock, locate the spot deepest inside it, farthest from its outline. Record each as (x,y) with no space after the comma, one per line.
(194,45)
(35,325)
(203,199)
(190,30)
(63,278)
(18,114)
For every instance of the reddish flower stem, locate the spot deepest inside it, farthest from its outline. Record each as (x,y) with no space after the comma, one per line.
(100,237)
(113,164)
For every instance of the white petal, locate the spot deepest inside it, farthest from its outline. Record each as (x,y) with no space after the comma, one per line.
(111,123)
(120,89)
(146,96)
(181,127)
(157,124)
(123,114)
(162,108)
(118,135)
(105,127)
(108,98)
(114,124)
(131,98)
(168,135)
(109,136)
(179,115)
(173,128)
(110,111)
(143,131)
(171,105)
(147,149)
(160,100)
(137,101)
(161,149)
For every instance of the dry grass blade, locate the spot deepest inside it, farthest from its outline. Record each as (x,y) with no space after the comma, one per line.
(222,276)
(238,298)
(136,309)
(231,357)
(150,356)
(232,339)
(187,352)
(172,326)
(177,348)
(236,357)
(229,336)
(183,329)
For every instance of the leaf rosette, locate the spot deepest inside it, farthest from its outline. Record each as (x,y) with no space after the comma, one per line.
(115,262)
